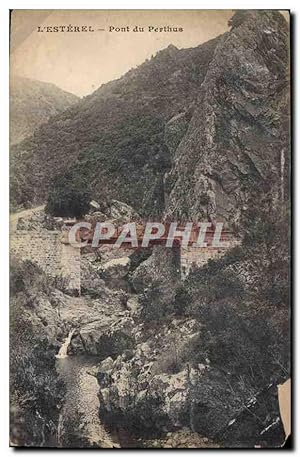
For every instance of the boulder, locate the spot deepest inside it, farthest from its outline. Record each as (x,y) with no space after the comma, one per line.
(127,388)
(115,268)
(94,205)
(90,277)
(133,305)
(140,388)
(162,268)
(106,337)
(123,212)
(106,364)
(96,216)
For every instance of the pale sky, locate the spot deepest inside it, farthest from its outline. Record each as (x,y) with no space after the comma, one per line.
(80,62)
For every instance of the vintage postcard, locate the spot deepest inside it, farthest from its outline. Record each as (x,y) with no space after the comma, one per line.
(150,229)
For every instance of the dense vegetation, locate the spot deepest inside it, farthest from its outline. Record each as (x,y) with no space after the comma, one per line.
(32,103)
(36,391)
(115,137)
(69,196)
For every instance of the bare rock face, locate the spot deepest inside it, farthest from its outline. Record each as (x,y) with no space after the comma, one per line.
(104,337)
(122,211)
(147,386)
(241,124)
(175,130)
(161,268)
(156,280)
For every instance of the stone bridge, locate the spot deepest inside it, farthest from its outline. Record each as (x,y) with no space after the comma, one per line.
(58,259)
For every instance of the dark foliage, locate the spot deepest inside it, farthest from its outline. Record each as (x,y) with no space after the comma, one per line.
(156,307)
(36,391)
(69,196)
(116,135)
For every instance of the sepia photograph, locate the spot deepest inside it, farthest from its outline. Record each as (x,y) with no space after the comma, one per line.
(150,229)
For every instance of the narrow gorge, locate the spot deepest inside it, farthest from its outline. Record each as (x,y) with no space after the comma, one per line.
(152,347)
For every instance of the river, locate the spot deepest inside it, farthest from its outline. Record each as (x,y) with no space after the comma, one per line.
(79,422)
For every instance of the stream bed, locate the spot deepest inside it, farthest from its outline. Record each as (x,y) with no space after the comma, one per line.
(79,422)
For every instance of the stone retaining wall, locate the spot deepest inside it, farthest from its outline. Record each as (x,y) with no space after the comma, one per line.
(191,256)
(45,249)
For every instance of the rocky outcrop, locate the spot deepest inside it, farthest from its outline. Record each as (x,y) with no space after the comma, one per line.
(161,268)
(240,126)
(123,212)
(115,268)
(156,280)
(102,319)
(151,377)
(155,389)
(104,336)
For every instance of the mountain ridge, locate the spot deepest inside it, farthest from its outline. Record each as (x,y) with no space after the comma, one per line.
(33,102)
(120,125)
(187,134)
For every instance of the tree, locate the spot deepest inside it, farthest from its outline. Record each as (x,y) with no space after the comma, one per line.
(69,195)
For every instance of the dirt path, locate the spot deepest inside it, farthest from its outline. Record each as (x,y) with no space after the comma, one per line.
(14,217)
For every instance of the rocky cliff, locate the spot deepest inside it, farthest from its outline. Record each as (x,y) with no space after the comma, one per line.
(238,134)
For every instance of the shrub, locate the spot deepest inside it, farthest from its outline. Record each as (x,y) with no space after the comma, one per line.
(69,196)
(36,392)
(157,303)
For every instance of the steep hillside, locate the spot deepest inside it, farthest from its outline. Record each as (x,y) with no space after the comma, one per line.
(187,362)
(32,103)
(238,136)
(116,136)
(189,133)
